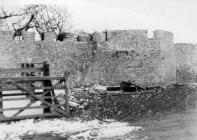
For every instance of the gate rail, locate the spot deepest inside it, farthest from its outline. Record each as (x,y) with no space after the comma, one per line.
(47,97)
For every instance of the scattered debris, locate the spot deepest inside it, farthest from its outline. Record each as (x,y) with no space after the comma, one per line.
(97,102)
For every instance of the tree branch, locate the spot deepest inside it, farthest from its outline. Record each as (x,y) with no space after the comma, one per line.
(25,27)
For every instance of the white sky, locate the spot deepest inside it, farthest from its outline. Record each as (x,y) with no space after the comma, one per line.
(177,16)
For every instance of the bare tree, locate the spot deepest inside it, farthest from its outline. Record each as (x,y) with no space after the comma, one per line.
(5,15)
(41,18)
(53,19)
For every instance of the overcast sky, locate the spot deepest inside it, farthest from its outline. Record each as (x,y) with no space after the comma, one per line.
(177,16)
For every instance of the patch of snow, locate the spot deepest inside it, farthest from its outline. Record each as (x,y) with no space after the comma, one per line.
(116,129)
(73,104)
(99,87)
(72,129)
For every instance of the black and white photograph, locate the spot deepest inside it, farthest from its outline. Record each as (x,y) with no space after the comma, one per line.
(98,70)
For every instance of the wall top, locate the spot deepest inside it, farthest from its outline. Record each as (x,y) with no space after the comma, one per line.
(103,36)
(160,34)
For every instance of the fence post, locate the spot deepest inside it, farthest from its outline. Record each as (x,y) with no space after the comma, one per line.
(47,83)
(66,93)
(22,73)
(1,97)
(29,85)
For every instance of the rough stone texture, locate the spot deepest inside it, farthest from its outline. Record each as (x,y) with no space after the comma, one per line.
(28,36)
(99,36)
(49,36)
(127,39)
(132,56)
(125,55)
(70,37)
(84,37)
(6,35)
(166,67)
(164,35)
(111,67)
(126,35)
(186,62)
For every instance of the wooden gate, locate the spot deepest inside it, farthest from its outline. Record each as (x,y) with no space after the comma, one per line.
(32,82)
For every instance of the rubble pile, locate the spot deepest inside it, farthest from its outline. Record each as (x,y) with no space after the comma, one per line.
(93,102)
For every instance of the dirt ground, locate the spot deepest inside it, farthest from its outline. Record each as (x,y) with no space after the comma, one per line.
(181,126)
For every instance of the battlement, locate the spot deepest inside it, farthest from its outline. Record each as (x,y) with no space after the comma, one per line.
(108,35)
(184,44)
(110,56)
(165,35)
(119,35)
(49,36)
(28,36)
(114,33)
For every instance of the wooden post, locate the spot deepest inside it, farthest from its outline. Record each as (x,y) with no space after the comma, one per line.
(23,74)
(66,88)
(47,83)
(30,84)
(1,96)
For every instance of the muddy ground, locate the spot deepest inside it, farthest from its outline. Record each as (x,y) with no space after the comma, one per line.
(179,126)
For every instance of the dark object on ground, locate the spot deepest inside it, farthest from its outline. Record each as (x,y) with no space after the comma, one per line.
(43,137)
(126,86)
(113,88)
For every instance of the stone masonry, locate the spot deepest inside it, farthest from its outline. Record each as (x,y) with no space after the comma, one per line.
(106,58)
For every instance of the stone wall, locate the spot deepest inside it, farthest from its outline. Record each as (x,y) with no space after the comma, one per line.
(112,56)
(133,56)
(186,62)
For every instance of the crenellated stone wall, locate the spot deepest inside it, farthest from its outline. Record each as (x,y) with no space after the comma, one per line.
(131,55)
(107,58)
